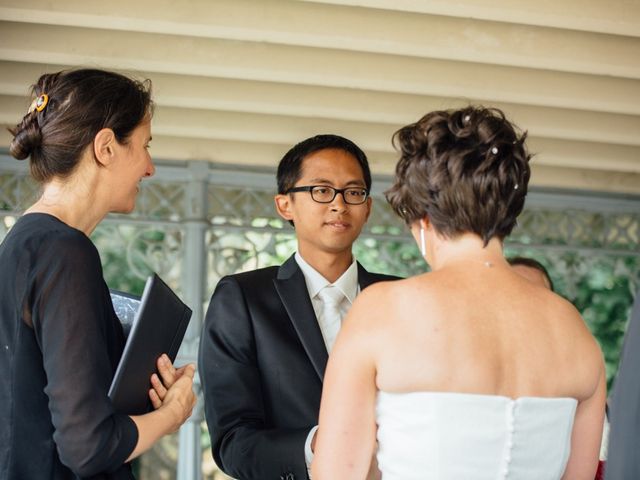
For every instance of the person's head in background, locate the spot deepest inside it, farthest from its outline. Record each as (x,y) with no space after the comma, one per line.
(88,128)
(532,270)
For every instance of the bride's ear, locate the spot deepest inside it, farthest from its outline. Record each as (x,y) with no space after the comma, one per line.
(104,147)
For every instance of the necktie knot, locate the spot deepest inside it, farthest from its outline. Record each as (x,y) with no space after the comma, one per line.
(330,314)
(331,295)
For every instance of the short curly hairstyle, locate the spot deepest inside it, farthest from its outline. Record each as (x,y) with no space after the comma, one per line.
(467,170)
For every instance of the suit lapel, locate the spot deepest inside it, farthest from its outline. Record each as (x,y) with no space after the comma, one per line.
(364,278)
(292,289)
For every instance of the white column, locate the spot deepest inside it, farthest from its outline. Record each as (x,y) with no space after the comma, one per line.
(193,287)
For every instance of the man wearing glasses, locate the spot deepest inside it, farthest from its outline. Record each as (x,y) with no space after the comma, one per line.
(268,332)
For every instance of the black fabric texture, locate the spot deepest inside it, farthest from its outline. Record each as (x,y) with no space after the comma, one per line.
(60,343)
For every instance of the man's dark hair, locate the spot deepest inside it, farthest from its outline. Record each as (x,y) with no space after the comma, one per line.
(531,263)
(290,167)
(466,170)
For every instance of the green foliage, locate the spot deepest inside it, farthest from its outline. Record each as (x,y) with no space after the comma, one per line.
(116,269)
(394,257)
(605,299)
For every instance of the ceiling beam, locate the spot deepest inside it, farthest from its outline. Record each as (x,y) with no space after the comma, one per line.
(354,29)
(275,63)
(618,17)
(203,93)
(191,124)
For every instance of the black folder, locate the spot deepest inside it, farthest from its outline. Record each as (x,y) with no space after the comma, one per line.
(158,327)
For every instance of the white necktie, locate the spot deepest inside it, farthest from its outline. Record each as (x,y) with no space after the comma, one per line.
(330,314)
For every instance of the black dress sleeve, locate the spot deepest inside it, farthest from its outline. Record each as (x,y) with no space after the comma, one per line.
(71,324)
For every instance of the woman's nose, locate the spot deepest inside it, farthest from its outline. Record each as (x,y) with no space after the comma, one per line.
(151,169)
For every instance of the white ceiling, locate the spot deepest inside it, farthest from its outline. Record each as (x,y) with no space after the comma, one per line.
(240,81)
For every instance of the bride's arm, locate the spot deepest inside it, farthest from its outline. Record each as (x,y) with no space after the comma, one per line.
(347,427)
(587,434)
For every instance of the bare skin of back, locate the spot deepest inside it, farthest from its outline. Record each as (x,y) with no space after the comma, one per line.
(477,329)
(472,325)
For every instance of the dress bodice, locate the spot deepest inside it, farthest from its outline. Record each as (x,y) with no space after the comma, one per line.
(447,436)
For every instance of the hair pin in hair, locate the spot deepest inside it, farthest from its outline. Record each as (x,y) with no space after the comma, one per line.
(494,150)
(39,103)
(467,118)
(515,187)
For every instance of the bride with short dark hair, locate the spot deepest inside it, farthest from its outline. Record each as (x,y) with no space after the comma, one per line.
(469,371)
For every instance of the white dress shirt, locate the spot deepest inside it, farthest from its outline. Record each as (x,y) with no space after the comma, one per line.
(348,285)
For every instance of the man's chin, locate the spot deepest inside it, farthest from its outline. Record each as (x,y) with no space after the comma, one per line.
(124,209)
(338,247)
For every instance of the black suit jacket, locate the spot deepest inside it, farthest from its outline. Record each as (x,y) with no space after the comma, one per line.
(262,361)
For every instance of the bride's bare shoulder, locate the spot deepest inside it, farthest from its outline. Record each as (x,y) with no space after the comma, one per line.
(381,302)
(388,293)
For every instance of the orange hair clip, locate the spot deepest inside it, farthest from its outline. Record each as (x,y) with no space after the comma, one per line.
(39,103)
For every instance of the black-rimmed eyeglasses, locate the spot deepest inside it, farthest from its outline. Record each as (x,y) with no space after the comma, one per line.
(324,194)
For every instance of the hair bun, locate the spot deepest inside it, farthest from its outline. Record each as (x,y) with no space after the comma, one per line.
(27,137)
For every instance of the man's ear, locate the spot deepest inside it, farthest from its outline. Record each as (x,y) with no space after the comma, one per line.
(283,206)
(369,205)
(104,147)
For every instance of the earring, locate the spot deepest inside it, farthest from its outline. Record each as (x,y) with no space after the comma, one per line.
(423,243)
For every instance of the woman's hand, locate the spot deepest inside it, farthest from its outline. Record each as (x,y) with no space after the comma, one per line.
(173,401)
(168,376)
(172,391)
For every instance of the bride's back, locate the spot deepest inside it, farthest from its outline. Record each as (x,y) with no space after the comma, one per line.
(479,373)
(481,328)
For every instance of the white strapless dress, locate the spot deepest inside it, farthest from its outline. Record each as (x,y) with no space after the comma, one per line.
(447,436)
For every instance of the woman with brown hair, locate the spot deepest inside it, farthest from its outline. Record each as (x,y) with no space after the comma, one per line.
(86,134)
(470,371)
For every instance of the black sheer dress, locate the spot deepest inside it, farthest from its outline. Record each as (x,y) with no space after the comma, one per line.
(60,342)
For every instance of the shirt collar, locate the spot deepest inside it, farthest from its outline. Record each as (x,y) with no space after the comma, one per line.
(347,283)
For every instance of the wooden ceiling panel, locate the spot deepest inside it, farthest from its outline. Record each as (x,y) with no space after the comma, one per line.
(239,81)
(350,28)
(619,17)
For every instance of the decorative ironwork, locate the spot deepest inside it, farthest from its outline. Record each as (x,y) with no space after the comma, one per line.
(159,200)
(17,192)
(238,205)
(579,229)
(139,250)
